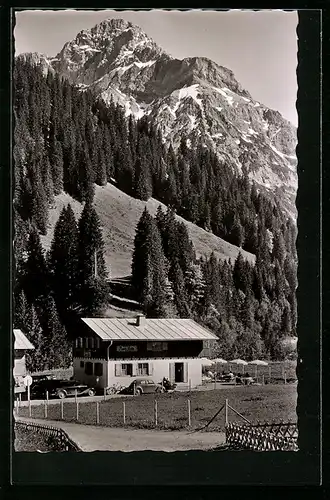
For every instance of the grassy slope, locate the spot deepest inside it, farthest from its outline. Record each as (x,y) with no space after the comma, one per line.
(119,214)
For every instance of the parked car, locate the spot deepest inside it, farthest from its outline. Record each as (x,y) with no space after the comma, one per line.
(60,389)
(39,378)
(143,386)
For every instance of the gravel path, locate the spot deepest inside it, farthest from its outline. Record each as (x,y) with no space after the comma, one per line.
(93,438)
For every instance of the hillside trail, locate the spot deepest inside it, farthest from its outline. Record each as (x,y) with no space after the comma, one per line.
(96,438)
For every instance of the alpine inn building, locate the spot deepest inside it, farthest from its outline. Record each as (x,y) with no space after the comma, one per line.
(113,351)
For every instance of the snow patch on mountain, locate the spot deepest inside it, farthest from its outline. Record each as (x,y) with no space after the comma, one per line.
(183,93)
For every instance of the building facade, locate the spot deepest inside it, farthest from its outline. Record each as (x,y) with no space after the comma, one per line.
(113,351)
(21,346)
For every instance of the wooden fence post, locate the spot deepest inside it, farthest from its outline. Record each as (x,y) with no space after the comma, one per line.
(263,379)
(46,408)
(30,409)
(189,384)
(269,373)
(189,413)
(75,396)
(20,395)
(124,412)
(47,396)
(104,393)
(226,412)
(77,410)
(97,412)
(284,376)
(156,413)
(62,409)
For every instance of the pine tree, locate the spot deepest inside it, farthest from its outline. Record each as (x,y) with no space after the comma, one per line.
(148,267)
(56,161)
(36,276)
(36,359)
(142,179)
(57,348)
(240,278)
(63,262)
(92,273)
(140,253)
(179,290)
(158,305)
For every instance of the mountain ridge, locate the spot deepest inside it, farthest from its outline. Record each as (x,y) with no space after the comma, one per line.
(194,97)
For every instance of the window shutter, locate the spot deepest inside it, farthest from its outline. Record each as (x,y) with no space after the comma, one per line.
(185,376)
(134,369)
(118,372)
(171,372)
(150,369)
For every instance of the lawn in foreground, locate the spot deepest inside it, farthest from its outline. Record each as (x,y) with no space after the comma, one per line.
(266,403)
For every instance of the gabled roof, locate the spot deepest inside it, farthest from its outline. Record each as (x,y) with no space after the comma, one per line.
(21,342)
(152,329)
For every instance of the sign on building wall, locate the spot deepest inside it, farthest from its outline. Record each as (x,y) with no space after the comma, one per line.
(126,348)
(157,346)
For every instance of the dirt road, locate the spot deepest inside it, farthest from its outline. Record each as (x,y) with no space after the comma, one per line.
(94,438)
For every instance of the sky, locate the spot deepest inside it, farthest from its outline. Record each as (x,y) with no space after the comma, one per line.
(260,47)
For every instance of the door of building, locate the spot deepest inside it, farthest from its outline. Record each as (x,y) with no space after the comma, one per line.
(178,372)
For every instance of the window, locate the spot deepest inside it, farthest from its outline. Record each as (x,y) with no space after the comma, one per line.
(91,342)
(86,342)
(124,370)
(82,364)
(80,339)
(89,368)
(97,343)
(76,343)
(143,369)
(98,369)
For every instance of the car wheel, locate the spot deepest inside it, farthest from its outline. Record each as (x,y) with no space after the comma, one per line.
(138,391)
(110,391)
(61,394)
(91,392)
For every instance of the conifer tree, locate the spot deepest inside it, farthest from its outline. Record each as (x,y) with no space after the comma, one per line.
(63,262)
(26,319)
(148,267)
(140,253)
(56,161)
(56,346)
(92,273)
(36,276)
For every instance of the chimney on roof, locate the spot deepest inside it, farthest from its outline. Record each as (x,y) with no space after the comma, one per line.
(140,320)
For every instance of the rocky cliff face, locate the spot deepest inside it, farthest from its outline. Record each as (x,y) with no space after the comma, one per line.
(194,97)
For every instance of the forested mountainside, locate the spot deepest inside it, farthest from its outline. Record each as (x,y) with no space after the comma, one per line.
(194,96)
(68,140)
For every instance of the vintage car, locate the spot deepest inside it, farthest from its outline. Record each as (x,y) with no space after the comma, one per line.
(143,386)
(60,389)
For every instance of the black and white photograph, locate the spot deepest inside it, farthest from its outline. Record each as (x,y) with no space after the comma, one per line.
(155,227)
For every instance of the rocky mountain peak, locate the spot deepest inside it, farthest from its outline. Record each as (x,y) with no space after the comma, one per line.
(193,97)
